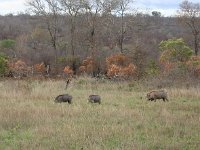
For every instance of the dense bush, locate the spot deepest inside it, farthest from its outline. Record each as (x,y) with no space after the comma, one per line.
(175,50)
(19,68)
(193,65)
(7,44)
(119,66)
(68,71)
(175,54)
(72,61)
(3,64)
(88,65)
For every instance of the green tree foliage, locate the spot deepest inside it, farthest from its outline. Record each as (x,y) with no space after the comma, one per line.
(156,13)
(175,50)
(7,44)
(3,64)
(152,68)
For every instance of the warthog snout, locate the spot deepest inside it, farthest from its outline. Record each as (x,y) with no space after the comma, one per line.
(94,99)
(64,98)
(154,95)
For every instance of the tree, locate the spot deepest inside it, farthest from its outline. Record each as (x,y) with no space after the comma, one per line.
(93,9)
(175,50)
(156,13)
(72,8)
(189,14)
(97,12)
(174,57)
(123,6)
(7,46)
(48,11)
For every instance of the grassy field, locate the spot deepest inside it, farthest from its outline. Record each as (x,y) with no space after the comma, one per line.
(29,118)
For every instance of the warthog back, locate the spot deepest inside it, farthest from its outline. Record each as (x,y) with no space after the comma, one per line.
(64,98)
(94,99)
(154,95)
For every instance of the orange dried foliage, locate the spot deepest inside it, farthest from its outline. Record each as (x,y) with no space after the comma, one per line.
(193,65)
(122,72)
(40,68)
(117,59)
(82,69)
(130,70)
(197,70)
(113,70)
(87,66)
(167,66)
(19,65)
(118,66)
(195,58)
(68,71)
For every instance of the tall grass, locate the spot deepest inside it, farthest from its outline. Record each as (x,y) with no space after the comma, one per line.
(29,119)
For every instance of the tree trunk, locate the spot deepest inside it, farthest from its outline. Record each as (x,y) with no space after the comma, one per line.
(196,44)
(72,45)
(122,33)
(72,36)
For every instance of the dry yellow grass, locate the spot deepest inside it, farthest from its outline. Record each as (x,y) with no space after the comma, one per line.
(29,119)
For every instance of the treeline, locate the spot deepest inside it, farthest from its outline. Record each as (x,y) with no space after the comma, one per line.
(74,37)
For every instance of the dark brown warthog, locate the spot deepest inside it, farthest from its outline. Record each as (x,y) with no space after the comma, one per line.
(94,99)
(64,98)
(154,95)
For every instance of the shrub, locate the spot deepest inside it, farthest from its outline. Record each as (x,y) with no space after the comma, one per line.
(3,64)
(7,44)
(152,68)
(119,66)
(175,53)
(72,61)
(68,71)
(117,59)
(88,66)
(19,67)
(40,68)
(193,65)
(175,50)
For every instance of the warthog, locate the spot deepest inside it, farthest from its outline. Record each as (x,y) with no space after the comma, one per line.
(94,99)
(64,98)
(160,94)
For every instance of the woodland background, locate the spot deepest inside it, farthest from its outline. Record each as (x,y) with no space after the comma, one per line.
(100,38)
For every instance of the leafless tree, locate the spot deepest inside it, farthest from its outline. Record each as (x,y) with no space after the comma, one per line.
(93,9)
(97,12)
(72,9)
(48,11)
(189,14)
(123,6)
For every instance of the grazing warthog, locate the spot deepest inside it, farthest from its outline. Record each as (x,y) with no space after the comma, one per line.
(94,99)
(154,95)
(64,98)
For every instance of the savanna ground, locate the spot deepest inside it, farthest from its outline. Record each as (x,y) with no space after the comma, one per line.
(29,119)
